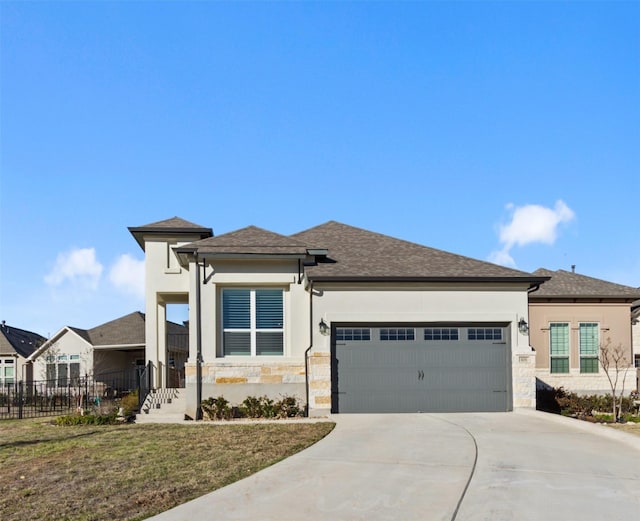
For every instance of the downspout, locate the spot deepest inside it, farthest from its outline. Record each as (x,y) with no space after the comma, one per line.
(198,344)
(533,289)
(306,353)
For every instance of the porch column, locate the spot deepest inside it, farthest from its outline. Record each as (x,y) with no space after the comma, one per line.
(161,373)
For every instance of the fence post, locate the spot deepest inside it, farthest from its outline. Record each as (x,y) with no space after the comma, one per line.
(20,399)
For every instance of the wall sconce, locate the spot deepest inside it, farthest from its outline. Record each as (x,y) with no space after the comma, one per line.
(523,327)
(324,327)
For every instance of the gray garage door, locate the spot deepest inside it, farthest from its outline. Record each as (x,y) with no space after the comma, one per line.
(452,368)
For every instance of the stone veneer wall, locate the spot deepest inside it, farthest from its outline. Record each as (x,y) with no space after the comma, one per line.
(319,384)
(237,380)
(579,383)
(524,382)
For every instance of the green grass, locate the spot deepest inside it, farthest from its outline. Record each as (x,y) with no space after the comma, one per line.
(130,472)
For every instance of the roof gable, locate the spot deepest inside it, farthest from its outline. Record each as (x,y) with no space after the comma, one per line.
(362,254)
(174,223)
(249,241)
(573,285)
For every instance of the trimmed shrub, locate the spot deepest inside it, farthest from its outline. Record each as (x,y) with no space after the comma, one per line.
(252,407)
(595,407)
(288,407)
(217,408)
(89,419)
(261,407)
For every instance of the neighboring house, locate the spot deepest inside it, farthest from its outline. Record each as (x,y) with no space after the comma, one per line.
(346,319)
(571,317)
(635,338)
(15,347)
(109,353)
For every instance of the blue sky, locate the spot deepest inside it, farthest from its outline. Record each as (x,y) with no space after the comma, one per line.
(503,131)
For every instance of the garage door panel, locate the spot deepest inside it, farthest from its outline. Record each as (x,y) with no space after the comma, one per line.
(411,376)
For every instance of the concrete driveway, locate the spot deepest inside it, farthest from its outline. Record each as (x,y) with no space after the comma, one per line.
(466,467)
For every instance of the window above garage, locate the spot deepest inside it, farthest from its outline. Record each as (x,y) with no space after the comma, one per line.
(441,333)
(398,333)
(351,333)
(484,333)
(426,333)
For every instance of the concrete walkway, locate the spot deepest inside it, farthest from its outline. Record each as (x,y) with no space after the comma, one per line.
(463,467)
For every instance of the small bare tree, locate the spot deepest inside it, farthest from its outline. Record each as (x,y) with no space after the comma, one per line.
(615,364)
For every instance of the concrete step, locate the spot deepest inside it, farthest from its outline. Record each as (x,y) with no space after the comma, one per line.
(163,406)
(161,418)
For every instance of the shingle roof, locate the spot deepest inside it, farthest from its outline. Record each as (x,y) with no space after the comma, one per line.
(362,254)
(18,341)
(573,285)
(125,330)
(82,333)
(128,330)
(249,241)
(174,225)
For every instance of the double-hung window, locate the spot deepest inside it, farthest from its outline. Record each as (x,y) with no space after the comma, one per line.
(589,347)
(7,371)
(63,370)
(253,322)
(559,347)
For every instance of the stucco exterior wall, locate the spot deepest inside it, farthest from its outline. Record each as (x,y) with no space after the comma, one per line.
(614,326)
(635,337)
(68,344)
(165,282)
(236,377)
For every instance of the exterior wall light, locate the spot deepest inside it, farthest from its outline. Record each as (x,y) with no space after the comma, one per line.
(523,327)
(324,327)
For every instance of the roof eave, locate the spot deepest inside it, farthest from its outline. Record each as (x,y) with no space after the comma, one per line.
(533,281)
(624,298)
(186,255)
(139,232)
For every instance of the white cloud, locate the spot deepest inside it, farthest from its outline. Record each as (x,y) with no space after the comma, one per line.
(78,267)
(127,275)
(530,224)
(502,257)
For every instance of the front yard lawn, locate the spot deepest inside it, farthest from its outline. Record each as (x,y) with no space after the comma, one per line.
(130,472)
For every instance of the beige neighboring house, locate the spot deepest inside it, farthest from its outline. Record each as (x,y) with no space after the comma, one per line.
(109,354)
(346,319)
(16,345)
(571,317)
(635,336)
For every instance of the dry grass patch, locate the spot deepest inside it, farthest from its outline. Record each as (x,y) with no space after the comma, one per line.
(130,472)
(631,428)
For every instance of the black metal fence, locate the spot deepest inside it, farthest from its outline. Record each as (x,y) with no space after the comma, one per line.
(98,392)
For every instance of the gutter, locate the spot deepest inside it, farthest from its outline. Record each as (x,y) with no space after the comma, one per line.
(354,278)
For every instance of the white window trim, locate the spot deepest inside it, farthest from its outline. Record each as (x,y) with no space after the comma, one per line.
(9,363)
(253,329)
(591,357)
(568,355)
